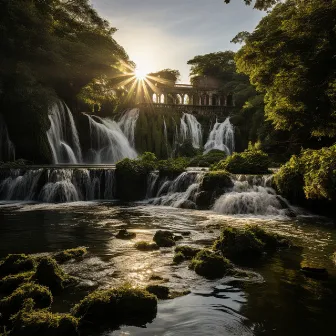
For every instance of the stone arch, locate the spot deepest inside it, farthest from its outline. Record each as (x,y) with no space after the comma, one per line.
(170,99)
(163,99)
(186,99)
(205,99)
(196,99)
(178,99)
(229,100)
(155,98)
(215,100)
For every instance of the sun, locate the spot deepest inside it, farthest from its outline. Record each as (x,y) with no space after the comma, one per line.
(140,74)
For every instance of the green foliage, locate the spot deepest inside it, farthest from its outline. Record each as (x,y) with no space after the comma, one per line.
(164,238)
(258,4)
(124,304)
(148,157)
(66,255)
(206,160)
(13,303)
(210,265)
(216,180)
(164,77)
(313,172)
(173,167)
(30,321)
(183,253)
(16,263)
(146,246)
(161,292)
(299,85)
(251,161)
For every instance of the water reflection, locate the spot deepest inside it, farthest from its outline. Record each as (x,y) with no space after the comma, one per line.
(280,301)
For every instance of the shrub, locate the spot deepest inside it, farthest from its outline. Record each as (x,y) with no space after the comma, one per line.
(251,161)
(117,306)
(173,167)
(146,246)
(164,239)
(13,303)
(66,255)
(210,265)
(125,235)
(216,180)
(208,159)
(16,263)
(42,322)
(148,157)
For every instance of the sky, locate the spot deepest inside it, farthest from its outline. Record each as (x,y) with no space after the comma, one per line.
(160,34)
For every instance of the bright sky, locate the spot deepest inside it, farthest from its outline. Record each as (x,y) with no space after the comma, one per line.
(159,34)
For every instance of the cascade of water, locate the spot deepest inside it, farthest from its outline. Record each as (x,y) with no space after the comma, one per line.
(108,143)
(7,149)
(191,129)
(165,133)
(252,195)
(58,185)
(151,184)
(179,193)
(127,124)
(64,145)
(221,138)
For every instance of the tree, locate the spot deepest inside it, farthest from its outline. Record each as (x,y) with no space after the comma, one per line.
(258,4)
(166,77)
(291,58)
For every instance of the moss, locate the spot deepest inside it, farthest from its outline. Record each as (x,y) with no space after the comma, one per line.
(164,239)
(183,253)
(66,255)
(49,273)
(208,159)
(146,246)
(125,235)
(172,168)
(117,306)
(42,322)
(16,263)
(11,282)
(216,180)
(13,303)
(251,161)
(210,265)
(249,242)
(236,243)
(161,292)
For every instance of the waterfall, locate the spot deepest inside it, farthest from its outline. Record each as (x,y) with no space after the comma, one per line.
(57,185)
(7,149)
(108,143)
(178,193)
(252,195)
(165,133)
(127,124)
(191,129)
(221,138)
(63,136)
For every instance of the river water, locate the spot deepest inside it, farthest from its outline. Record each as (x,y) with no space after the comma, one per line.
(277,299)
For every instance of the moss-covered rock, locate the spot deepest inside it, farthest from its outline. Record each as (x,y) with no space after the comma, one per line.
(66,255)
(164,238)
(117,306)
(16,263)
(13,303)
(210,265)
(125,235)
(248,242)
(161,292)
(183,253)
(146,246)
(49,273)
(30,321)
(11,282)
(206,160)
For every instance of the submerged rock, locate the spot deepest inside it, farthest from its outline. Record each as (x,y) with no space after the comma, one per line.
(118,306)
(210,265)
(183,253)
(314,272)
(146,246)
(164,239)
(66,255)
(11,282)
(125,235)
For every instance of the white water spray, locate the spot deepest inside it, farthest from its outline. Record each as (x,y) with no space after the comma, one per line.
(127,124)
(7,149)
(191,129)
(63,136)
(221,138)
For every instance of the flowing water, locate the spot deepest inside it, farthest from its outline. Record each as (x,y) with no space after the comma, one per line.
(63,136)
(127,124)
(221,138)
(191,129)
(277,299)
(7,149)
